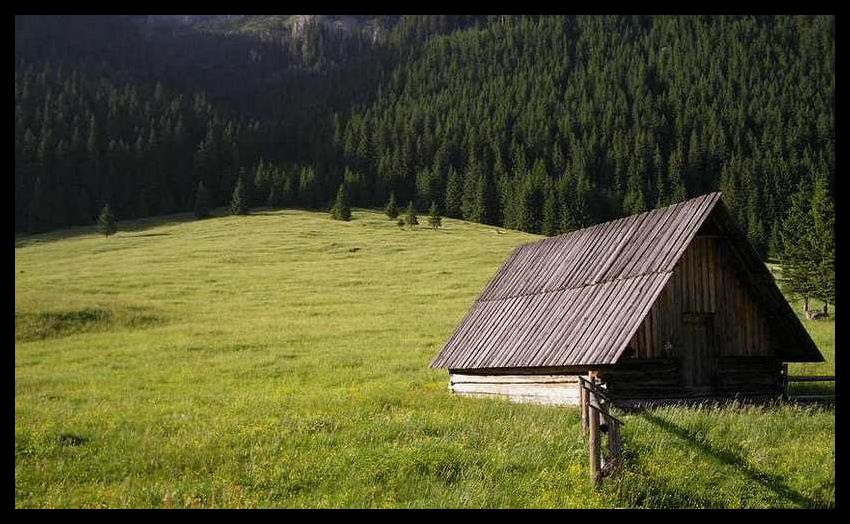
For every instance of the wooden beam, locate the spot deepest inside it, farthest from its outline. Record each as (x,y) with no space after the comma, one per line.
(812,378)
(583,404)
(593,444)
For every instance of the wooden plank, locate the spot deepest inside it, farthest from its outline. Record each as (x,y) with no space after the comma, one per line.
(534,390)
(458,378)
(712,276)
(603,414)
(811,378)
(557,400)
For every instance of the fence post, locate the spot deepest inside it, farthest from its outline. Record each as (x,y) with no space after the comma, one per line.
(785,393)
(593,444)
(582,395)
(615,444)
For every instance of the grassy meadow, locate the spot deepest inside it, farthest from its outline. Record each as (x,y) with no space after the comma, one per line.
(281,360)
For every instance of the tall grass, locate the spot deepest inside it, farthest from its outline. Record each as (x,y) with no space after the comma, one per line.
(280,360)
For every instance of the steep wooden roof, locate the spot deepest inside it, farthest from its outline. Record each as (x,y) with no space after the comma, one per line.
(578,298)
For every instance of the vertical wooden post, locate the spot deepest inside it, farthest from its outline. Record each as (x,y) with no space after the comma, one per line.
(582,394)
(785,392)
(615,445)
(593,444)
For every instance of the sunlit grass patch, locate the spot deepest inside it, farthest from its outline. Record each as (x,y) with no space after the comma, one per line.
(262,361)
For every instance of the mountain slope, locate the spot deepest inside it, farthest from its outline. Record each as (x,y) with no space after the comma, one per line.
(539,123)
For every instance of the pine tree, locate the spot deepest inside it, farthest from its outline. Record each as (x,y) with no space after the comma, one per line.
(471,184)
(410,215)
(823,242)
(392,208)
(567,220)
(106,221)
(434,219)
(797,247)
(239,200)
(675,174)
(454,194)
(203,200)
(341,210)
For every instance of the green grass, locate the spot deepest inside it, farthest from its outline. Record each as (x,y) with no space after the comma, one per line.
(280,360)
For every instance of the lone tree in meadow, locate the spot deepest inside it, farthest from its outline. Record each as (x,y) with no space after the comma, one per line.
(341,209)
(808,244)
(106,221)
(239,200)
(434,219)
(410,216)
(202,201)
(392,208)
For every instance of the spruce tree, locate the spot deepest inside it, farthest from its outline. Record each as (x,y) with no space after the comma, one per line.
(239,200)
(823,242)
(392,208)
(410,215)
(106,222)
(202,201)
(797,247)
(341,210)
(454,194)
(434,219)
(675,175)
(471,184)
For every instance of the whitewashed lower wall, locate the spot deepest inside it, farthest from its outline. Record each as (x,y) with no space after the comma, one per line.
(538,389)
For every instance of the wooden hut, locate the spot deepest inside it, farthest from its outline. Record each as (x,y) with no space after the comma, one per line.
(669,304)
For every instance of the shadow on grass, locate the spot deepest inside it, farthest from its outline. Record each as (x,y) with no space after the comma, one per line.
(772,482)
(152,235)
(131,226)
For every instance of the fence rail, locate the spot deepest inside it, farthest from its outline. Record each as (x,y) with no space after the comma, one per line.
(788,379)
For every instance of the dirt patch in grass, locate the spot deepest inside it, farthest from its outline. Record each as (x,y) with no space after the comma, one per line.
(42,325)
(70,439)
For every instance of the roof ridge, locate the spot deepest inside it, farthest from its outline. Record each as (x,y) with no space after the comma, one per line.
(633,216)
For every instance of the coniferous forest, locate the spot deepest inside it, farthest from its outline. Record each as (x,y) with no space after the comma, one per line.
(540,123)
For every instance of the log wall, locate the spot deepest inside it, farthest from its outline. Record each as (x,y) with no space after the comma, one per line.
(538,389)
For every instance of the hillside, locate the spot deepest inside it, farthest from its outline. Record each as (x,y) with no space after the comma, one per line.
(280,360)
(538,123)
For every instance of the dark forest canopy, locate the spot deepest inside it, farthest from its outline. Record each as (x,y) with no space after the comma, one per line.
(542,123)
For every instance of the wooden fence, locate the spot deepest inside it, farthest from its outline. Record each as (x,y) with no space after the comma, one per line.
(788,379)
(596,421)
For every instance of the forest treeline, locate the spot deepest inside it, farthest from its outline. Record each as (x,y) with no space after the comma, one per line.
(541,123)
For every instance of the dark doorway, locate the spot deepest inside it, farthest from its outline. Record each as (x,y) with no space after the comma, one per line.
(698,352)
